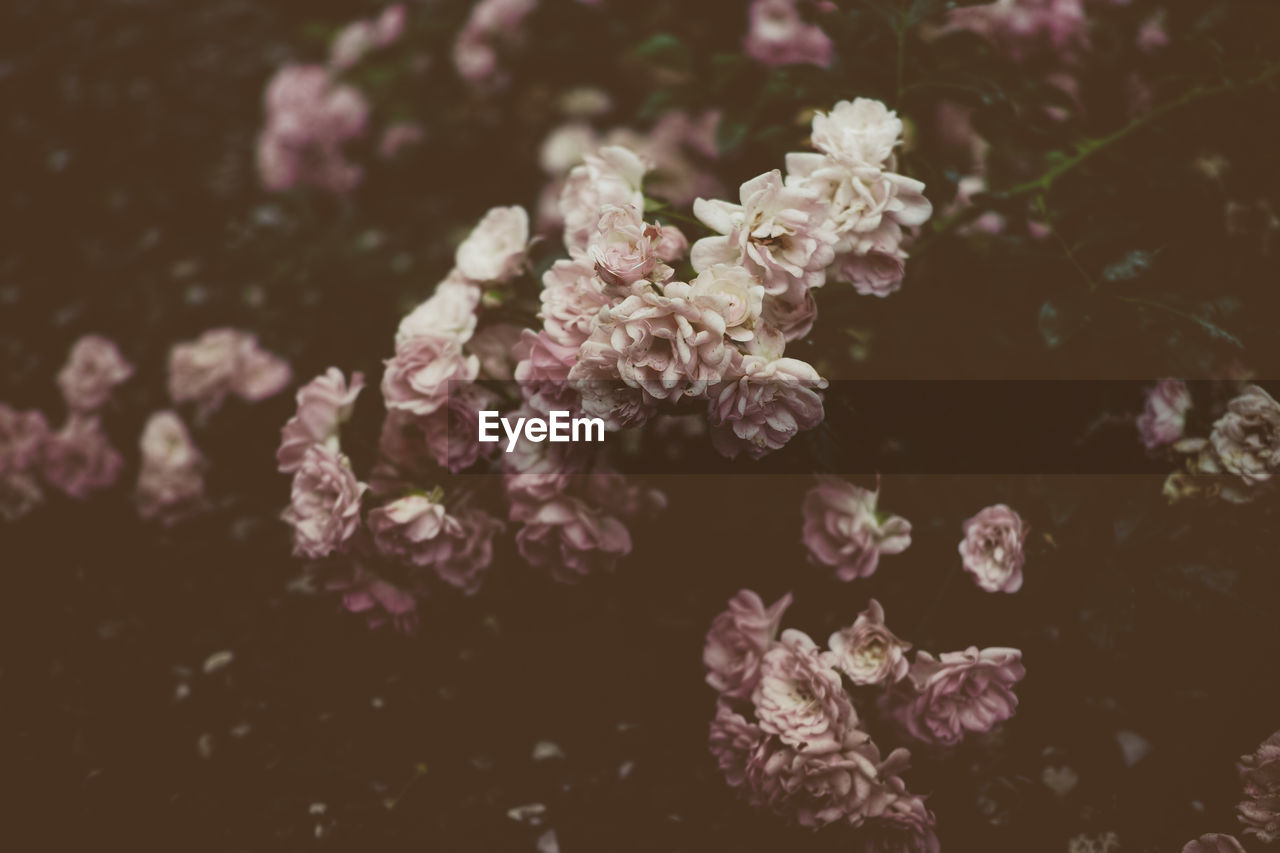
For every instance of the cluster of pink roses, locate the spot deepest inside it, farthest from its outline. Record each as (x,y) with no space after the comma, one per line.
(1240,459)
(844,530)
(788,734)
(311,115)
(1260,808)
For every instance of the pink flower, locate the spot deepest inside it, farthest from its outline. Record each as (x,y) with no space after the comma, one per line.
(844,530)
(1214,843)
(781,234)
(1260,773)
(904,826)
(450,313)
(171,477)
(452,431)
(495,249)
(867,651)
(733,741)
(610,176)
(878,269)
(960,692)
(79,458)
(415,529)
(860,200)
(791,315)
(94,367)
(779,35)
(572,296)
(764,406)
(324,507)
(324,404)
(861,132)
(309,120)
(22,437)
(1247,438)
(543,373)
(381,601)
(416,381)
(494,346)
(470,551)
(799,696)
(222,362)
(399,136)
(737,641)
(734,294)
(1164,418)
(491,23)
(992,548)
(624,248)
(1022,28)
(572,540)
(20,493)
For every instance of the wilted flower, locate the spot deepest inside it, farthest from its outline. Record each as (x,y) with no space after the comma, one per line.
(324,507)
(737,641)
(868,652)
(799,696)
(171,477)
(734,294)
(992,548)
(222,362)
(1247,437)
(416,381)
(572,539)
(764,405)
(1165,416)
(324,404)
(1214,842)
(779,35)
(843,529)
(1260,773)
(959,692)
(495,249)
(94,367)
(79,459)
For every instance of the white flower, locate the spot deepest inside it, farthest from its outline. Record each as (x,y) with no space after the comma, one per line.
(495,250)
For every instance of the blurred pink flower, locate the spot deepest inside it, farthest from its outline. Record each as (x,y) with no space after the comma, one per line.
(416,381)
(877,271)
(764,405)
(992,548)
(309,119)
(779,35)
(20,493)
(610,176)
(222,362)
(791,315)
(868,652)
(379,601)
(94,367)
(79,459)
(543,372)
(572,540)
(495,249)
(1022,28)
(324,404)
(1214,843)
(844,530)
(904,826)
(415,528)
(572,296)
(324,507)
(799,696)
(399,136)
(171,476)
(1247,438)
(22,437)
(733,741)
(1260,773)
(1164,418)
(470,552)
(452,431)
(737,641)
(961,692)
(491,23)
(494,346)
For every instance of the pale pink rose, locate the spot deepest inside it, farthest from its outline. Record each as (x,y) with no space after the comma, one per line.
(572,296)
(733,293)
(566,146)
(378,600)
(868,652)
(860,200)
(600,392)
(877,273)
(389,25)
(324,506)
(535,473)
(475,60)
(309,119)
(403,460)
(491,23)
(992,548)
(495,249)
(961,692)
(171,476)
(494,346)
(800,697)
(733,741)
(452,431)
(470,552)
(738,640)
(779,35)
(624,248)
(415,529)
(783,235)
(351,44)
(1247,438)
(416,381)
(324,405)
(844,530)
(22,437)
(1022,28)
(862,132)
(666,345)
(671,245)
(610,176)
(1154,33)
(1260,774)
(399,136)
(764,405)
(543,373)
(904,826)
(791,315)
(1164,418)
(768,342)
(20,493)
(93,369)
(1214,842)
(572,540)
(79,459)
(222,362)
(450,312)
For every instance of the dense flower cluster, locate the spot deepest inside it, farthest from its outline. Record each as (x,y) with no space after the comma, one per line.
(788,735)
(1240,459)
(1260,774)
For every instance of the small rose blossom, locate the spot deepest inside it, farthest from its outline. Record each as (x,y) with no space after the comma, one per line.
(470,551)
(1247,437)
(494,346)
(763,405)
(1164,418)
(734,294)
(779,35)
(22,438)
(791,315)
(862,131)
(572,296)
(324,404)
(452,431)
(171,476)
(844,530)
(495,250)
(868,652)
(992,548)
(449,313)
(378,600)
(1260,808)
(572,540)
(799,696)
(624,248)
(93,369)
(961,692)
(310,118)
(324,507)
(79,459)
(543,373)
(733,740)
(905,825)
(222,362)
(414,528)
(416,381)
(611,176)
(738,640)
(860,200)
(1214,842)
